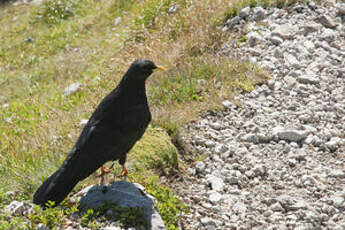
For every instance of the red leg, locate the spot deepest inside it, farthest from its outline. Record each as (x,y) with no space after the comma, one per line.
(104,170)
(124,170)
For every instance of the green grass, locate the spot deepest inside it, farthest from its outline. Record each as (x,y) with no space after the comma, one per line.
(45,48)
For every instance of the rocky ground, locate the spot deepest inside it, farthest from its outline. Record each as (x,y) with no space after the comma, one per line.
(277,161)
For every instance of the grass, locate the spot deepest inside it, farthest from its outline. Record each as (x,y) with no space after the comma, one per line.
(47,47)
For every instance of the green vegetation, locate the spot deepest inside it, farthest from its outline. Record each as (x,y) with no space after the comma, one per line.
(46,47)
(155,151)
(167,204)
(125,217)
(50,217)
(53,12)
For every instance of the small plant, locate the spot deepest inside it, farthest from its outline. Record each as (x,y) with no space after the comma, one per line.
(4,225)
(51,217)
(89,218)
(154,8)
(54,11)
(10,222)
(170,126)
(242,39)
(125,216)
(167,204)
(119,6)
(253,3)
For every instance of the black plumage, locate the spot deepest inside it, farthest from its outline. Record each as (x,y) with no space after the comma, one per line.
(116,125)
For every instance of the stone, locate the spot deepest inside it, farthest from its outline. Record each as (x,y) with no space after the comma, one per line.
(233,21)
(207,221)
(217,184)
(239,207)
(173,9)
(29,40)
(326,21)
(228,104)
(337,201)
(341,8)
(216,126)
(111,228)
(250,138)
(300,204)
(215,197)
(259,170)
(309,45)
(329,36)
(83,122)
(244,13)
(308,180)
(337,173)
(117,21)
(267,213)
(308,79)
(290,134)
(292,162)
(71,89)
(259,13)
(220,148)
(253,38)
(276,207)
(284,31)
(291,60)
(15,208)
(304,226)
(210,143)
(310,27)
(122,194)
(41,226)
(276,40)
(199,166)
(334,143)
(290,81)
(191,171)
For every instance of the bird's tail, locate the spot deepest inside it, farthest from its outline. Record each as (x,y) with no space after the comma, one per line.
(56,187)
(75,168)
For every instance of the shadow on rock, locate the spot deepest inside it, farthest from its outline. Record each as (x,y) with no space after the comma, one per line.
(125,195)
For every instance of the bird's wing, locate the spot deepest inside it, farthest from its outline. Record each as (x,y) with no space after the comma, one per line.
(100,137)
(107,138)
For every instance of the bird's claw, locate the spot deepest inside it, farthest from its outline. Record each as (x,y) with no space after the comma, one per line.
(104,170)
(124,171)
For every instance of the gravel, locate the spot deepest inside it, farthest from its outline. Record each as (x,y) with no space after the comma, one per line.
(276,162)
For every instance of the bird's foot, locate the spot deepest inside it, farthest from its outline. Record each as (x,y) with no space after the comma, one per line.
(124,170)
(104,170)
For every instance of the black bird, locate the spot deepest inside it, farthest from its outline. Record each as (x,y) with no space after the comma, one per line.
(116,125)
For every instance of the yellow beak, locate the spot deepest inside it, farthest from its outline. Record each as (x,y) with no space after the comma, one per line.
(161,68)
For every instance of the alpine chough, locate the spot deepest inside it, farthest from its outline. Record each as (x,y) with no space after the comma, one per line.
(116,125)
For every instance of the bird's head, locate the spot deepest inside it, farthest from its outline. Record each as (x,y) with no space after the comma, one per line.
(143,68)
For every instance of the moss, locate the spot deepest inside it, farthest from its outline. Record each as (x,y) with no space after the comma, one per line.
(154,151)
